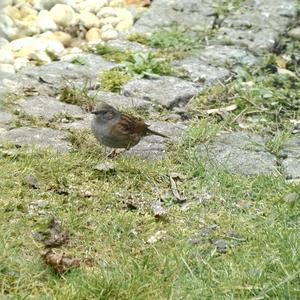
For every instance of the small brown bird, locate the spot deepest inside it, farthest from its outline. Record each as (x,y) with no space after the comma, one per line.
(117,129)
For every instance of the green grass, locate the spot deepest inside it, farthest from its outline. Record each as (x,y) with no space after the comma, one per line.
(109,238)
(112,53)
(173,42)
(266,100)
(77,96)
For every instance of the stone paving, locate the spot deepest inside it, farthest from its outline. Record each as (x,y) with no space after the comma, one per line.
(251,29)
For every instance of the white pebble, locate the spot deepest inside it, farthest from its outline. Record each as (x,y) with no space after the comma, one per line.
(20,63)
(109,35)
(91,5)
(6,56)
(45,21)
(89,20)
(7,68)
(109,20)
(55,48)
(93,34)
(106,12)
(62,14)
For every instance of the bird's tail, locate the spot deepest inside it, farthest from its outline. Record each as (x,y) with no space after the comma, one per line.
(149,132)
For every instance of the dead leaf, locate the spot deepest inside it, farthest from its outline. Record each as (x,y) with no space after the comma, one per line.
(32,181)
(59,261)
(281,62)
(175,175)
(158,236)
(157,210)
(221,110)
(55,236)
(175,190)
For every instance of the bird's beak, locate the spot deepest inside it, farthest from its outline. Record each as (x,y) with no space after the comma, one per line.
(93,112)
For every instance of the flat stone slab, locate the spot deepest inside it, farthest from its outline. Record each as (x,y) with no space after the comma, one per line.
(239,152)
(290,151)
(58,74)
(48,107)
(185,13)
(166,91)
(128,45)
(155,147)
(120,101)
(222,55)
(199,71)
(257,24)
(83,124)
(38,137)
(5,118)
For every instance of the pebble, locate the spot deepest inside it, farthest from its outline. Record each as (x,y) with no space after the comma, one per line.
(110,34)
(43,30)
(295,33)
(106,12)
(92,6)
(7,68)
(89,20)
(62,14)
(93,34)
(62,37)
(45,21)
(6,56)
(20,63)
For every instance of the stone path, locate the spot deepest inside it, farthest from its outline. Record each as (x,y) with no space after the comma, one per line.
(241,37)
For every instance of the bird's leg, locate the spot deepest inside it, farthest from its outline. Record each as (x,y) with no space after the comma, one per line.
(113,153)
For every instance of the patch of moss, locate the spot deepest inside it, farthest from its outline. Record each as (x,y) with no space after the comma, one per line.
(147,64)
(172,41)
(112,80)
(112,53)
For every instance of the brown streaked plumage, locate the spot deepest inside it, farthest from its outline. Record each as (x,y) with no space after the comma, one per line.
(118,129)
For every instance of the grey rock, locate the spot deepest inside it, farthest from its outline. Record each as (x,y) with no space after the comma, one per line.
(32,181)
(291,152)
(186,13)
(221,245)
(239,152)
(256,41)
(205,231)
(155,147)
(48,107)
(58,74)
(199,71)
(224,55)
(5,118)
(291,148)
(120,101)
(83,124)
(129,46)
(39,137)
(291,168)
(157,210)
(166,91)
(295,33)
(257,24)
(291,197)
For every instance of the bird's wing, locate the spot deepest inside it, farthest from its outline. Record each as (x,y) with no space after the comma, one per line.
(130,125)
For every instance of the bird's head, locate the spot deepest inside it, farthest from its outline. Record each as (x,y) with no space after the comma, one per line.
(105,113)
